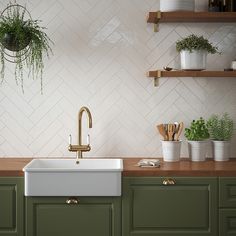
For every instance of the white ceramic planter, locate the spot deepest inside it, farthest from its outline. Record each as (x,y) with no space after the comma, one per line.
(221,150)
(195,60)
(171,150)
(177,5)
(233,65)
(197,150)
(201,5)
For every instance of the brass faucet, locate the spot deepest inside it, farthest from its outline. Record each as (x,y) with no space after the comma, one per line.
(80,148)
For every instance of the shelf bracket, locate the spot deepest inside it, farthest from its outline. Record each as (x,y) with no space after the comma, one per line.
(156,78)
(156,25)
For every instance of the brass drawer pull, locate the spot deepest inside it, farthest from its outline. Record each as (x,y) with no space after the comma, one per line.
(72,201)
(169,181)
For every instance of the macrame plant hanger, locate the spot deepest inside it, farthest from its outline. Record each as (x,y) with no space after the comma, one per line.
(10,55)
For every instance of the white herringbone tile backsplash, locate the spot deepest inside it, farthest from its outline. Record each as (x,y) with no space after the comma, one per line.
(102,50)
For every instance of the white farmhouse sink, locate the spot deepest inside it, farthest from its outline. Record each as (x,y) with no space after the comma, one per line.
(63,177)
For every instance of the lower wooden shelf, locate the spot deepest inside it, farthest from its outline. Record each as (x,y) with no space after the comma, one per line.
(180,73)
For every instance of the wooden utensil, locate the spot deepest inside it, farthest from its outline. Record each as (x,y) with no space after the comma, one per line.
(180,129)
(171,131)
(162,131)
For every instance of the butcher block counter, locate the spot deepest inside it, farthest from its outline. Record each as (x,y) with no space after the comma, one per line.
(13,167)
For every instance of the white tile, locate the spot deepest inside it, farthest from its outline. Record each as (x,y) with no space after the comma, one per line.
(102,51)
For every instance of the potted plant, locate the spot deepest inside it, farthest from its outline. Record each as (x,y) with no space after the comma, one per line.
(221,131)
(26,40)
(193,52)
(197,136)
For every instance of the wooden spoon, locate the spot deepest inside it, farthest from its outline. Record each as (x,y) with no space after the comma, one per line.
(171,131)
(180,129)
(162,131)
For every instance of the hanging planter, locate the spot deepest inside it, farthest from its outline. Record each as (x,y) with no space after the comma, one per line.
(11,42)
(23,42)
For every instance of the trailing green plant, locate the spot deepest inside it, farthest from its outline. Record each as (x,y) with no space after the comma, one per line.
(193,42)
(198,131)
(31,44)
(220,127)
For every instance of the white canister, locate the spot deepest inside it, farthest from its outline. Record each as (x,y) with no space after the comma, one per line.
(171,150)
(201,5)
(221,150)
(195,60)
(233,65)
(197,150)
(177,5)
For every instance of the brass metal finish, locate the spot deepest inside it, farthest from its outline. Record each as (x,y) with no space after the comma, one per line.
(168,181)
(156,79)
(80,148)
(156,25)
(156,82)
(72,201)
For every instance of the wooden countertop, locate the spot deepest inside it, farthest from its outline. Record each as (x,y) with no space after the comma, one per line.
(183,168)
(13,167)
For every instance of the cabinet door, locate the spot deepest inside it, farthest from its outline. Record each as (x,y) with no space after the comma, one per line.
(227,189)
(227,221)
(11,206)
(49,216)
(187,208)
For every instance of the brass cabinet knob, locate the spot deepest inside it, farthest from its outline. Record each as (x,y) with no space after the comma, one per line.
(169,181)
(72,200)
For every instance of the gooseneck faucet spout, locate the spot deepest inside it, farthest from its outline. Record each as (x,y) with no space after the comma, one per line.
(80,148)
(81,111)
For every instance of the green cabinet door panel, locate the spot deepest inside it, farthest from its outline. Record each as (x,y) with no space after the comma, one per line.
(188,208)
(227,222)
(52,216)
(227,190)
(11,206)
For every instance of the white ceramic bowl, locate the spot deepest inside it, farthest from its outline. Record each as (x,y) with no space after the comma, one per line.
(177,5)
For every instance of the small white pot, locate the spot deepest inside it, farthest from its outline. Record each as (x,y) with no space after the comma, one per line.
(171,150)
(221,150)
(233,65)
(195,60)
(201,5)
(177,5)
(197,150)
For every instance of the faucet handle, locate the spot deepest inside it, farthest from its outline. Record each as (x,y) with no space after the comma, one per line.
(88,139)
(70,139)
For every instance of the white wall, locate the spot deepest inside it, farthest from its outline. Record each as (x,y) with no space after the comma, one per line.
(102,50)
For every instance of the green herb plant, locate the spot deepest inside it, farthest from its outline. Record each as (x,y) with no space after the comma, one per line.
(220,127)
(31,55)
(198,131)
(194,42)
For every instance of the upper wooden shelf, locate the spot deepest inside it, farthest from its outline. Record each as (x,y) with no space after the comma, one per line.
(186,16)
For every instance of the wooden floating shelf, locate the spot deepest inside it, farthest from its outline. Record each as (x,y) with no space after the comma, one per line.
(161,73)
(182,73)
(186,16)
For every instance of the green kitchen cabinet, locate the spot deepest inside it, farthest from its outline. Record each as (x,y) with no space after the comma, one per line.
(227,204)
(227,192)
(62,216)
(11,206)
(182,206)
(227,222)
